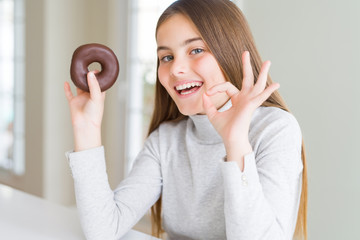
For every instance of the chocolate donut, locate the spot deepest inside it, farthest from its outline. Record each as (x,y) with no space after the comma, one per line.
(90,53)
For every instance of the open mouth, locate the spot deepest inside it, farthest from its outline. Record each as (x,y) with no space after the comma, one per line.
(188,88)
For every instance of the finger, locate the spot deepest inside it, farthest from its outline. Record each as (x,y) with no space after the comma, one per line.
(94,87)
(248,75)
(227,87)
(102,93)
(209,107)
(263,76)
(68,92)
(262,97)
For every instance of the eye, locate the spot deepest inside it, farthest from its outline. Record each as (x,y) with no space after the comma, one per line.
(197,51)
(167,58)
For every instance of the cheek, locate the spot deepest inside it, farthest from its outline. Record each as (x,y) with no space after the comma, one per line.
(162,75)
(202,65)
(209,69)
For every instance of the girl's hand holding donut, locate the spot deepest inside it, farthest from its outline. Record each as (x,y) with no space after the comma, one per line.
(233,124)
(86,113)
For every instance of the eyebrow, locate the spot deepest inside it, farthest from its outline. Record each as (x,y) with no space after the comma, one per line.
(186,42)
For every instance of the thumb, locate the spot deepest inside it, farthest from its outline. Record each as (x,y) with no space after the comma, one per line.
(209,107)
(94,87)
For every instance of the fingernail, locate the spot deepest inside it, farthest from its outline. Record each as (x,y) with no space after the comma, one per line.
(91,75)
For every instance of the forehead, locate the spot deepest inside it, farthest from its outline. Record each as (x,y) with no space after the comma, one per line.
(177,27)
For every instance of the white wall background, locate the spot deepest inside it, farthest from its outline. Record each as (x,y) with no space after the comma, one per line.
(54,29)
(314,47)
(69,24)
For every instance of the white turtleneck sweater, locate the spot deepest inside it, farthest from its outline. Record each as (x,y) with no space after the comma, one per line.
(203,197)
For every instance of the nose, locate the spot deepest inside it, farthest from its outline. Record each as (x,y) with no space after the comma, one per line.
(179,66)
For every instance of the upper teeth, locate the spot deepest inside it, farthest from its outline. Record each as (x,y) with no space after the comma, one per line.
(188,85)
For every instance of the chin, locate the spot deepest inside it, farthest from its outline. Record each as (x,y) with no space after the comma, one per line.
(188,111)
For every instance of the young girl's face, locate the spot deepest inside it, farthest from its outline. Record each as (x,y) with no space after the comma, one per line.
(187,67)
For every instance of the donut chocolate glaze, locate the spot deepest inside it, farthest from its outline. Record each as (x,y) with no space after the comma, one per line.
(90,53)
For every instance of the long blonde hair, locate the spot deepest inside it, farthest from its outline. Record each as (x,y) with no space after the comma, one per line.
(225,31)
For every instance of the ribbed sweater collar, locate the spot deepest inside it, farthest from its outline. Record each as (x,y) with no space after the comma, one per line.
(202,130)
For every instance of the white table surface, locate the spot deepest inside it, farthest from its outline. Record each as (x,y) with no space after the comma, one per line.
(24,216)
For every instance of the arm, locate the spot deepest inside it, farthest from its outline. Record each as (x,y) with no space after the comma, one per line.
(262,201)
(254,189)
(107,214)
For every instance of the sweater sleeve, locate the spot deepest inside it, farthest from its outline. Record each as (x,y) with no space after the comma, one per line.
(108,214)
(262,201)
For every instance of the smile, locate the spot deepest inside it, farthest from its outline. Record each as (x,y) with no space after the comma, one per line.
(188,88)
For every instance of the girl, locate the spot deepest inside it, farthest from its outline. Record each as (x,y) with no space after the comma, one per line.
(224,157)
